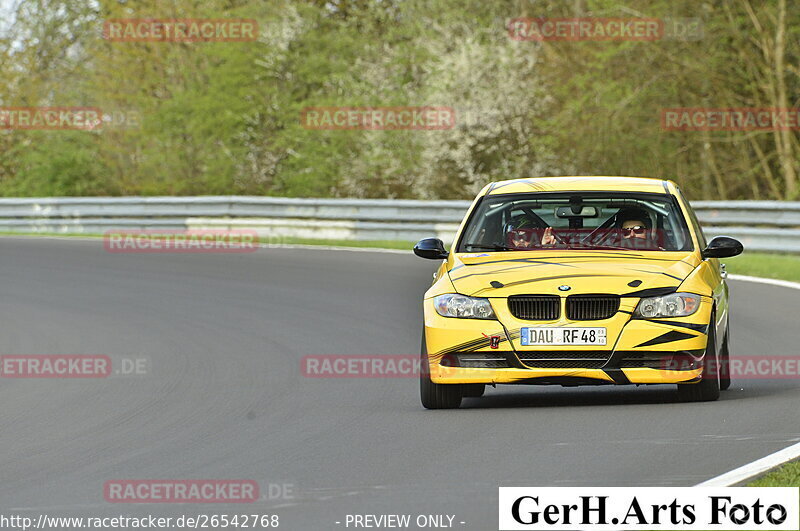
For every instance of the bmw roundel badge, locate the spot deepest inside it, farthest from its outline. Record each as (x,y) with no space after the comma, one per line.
(564,288)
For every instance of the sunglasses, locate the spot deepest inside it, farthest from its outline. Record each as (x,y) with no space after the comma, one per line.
(638,230)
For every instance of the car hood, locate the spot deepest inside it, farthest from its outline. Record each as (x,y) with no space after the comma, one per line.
(534,272)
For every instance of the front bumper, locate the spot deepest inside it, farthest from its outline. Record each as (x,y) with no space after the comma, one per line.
(638,351)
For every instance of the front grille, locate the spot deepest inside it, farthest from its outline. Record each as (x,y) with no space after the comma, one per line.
(535,307)
(564,359)
(654,360)
(476,360)
(666,361)
(591,307)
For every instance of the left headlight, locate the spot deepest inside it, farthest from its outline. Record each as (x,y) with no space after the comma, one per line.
(673,305)
(454,305)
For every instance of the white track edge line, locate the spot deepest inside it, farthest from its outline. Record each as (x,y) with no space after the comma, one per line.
(771,281)
(757,467)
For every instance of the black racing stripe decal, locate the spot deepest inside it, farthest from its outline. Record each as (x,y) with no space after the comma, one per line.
(536,186)
(573,259)
(534,261)
(617,375)
(496,186)
(578,259)
(679,279)
(530,263)
(654,259)
(532,280)
(475,344)
(557,277)
(702,328)
(628,254)
(529,260)
(669,337)
(651,292)
(534,264)
(511,357)
(468,346)
(565,259)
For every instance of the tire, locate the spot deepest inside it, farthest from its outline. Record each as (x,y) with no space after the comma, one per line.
(473,390)
(725,363)
(708,388)
(433,395)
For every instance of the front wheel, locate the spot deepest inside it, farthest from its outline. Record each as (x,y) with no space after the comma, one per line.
(708,388)
(433,395)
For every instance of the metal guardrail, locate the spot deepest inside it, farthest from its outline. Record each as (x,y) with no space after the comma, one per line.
(760,225)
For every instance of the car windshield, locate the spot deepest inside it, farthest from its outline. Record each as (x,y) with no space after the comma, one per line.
(576,220)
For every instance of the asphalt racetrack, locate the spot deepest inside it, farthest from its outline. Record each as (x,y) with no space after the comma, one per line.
(223,396)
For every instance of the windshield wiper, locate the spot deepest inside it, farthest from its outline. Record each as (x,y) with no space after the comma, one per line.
(489,247)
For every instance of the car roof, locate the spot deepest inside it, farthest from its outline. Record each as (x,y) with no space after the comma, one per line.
(581,183)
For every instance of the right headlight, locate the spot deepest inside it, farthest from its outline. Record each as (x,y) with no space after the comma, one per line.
(673,305)
(455,305)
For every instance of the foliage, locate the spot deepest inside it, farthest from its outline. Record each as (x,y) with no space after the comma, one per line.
(224,117)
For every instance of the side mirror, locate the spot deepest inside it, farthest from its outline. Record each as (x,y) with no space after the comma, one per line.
(431,248)
(723,247)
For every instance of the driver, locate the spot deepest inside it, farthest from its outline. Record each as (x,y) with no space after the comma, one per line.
(632,224)
(520,240)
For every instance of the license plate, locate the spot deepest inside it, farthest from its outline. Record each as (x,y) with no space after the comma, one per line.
(562,335)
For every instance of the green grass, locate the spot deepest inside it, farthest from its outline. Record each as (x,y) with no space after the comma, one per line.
(780,266)
(51,234)
(786,476)
(277,241)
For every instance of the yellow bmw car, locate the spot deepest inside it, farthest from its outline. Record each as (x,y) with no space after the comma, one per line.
(576,281)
